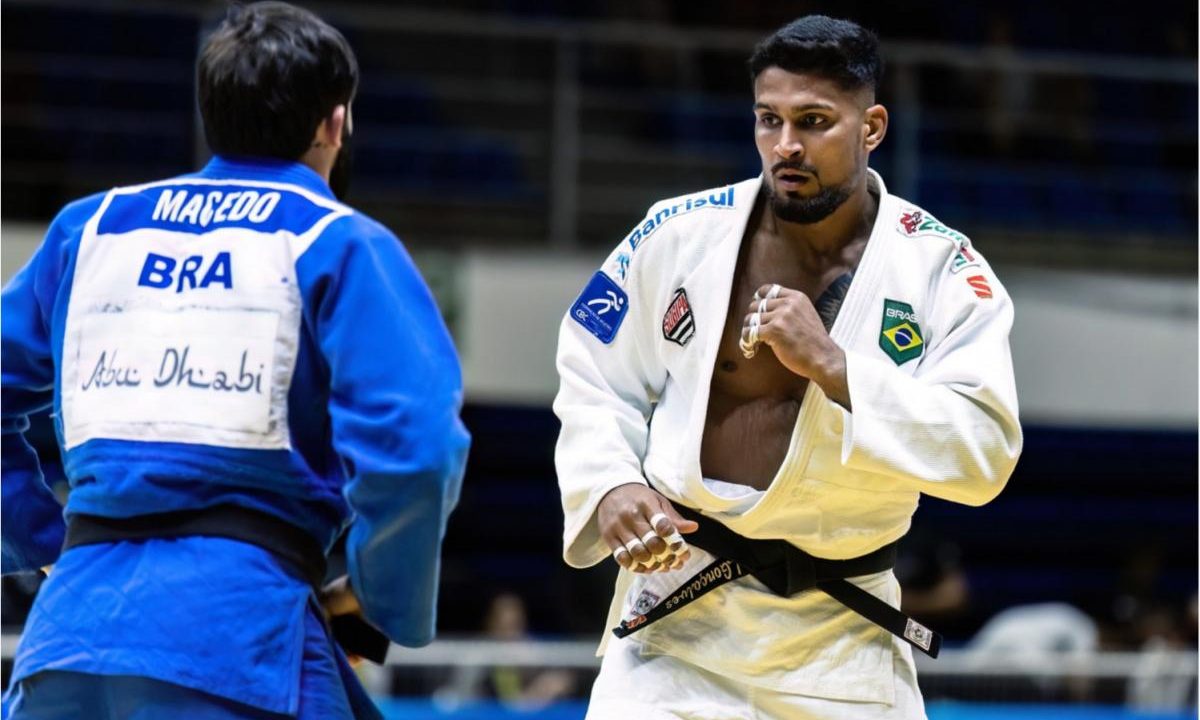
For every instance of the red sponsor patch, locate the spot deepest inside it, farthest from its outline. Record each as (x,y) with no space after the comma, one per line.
(910,221)
(980,284)
(678,325)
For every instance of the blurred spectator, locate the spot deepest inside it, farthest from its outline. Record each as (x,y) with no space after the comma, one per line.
(1164,680)
(1137,613)
(527,688)
(1027,634)
(1028,638)
(935,589)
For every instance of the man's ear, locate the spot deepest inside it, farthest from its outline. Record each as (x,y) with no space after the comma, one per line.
(875,122)
(329,132)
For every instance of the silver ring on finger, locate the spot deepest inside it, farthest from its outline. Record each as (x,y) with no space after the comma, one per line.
(632,545)
(762,306)
(774,291)
(648,537)
(618,553)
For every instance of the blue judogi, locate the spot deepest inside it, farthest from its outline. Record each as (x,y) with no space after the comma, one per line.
(235,336)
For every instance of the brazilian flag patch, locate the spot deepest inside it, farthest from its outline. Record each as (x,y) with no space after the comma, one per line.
(900,336)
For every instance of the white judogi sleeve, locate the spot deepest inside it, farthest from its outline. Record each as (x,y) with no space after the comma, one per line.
(606,394)
(949,430)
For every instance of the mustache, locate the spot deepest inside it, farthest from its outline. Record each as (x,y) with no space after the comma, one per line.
(795,166)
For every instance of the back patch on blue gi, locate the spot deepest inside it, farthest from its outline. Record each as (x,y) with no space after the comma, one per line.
(601,307)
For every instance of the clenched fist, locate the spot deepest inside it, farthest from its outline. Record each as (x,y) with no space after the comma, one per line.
(787,321)
(642,529)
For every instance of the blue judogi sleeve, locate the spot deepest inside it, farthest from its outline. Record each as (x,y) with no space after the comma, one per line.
(395,396)
(32,522)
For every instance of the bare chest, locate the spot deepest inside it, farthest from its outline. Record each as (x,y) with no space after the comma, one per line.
(753,403)
(763,375)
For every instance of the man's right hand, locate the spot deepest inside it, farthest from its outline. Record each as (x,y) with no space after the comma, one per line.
(642,529)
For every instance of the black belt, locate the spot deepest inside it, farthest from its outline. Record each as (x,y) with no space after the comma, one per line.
(282,539)
(287,542)
(786,570)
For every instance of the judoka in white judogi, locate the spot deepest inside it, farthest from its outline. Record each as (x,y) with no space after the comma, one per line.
(924,326)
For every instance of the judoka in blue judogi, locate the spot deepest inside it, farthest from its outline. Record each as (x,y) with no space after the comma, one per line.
(240,367)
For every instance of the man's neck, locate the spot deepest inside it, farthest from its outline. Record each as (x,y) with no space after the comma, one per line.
(320,161)
(827,238)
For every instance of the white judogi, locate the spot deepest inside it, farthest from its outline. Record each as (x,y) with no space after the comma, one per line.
(925,328)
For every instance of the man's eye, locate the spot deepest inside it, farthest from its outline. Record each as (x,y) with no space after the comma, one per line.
(769,121)
(812,120)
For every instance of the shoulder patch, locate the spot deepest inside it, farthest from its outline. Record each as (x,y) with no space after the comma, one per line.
(621,264)
(963,259)
(601,307)
(918,223)
(979,284)
(678,324)
(900,336)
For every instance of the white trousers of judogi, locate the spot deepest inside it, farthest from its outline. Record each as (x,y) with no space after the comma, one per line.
(636,685)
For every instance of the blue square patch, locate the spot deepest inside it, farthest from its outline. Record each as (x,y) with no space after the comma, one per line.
(601,307)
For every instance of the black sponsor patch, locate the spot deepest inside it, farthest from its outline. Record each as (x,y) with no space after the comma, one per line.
(678,324)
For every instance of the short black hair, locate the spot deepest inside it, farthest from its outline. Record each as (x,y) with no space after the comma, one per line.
(840,50)
(267,77)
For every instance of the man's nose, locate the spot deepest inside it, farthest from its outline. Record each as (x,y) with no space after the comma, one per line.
(789,146)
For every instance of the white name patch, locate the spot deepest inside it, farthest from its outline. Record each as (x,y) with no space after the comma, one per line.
(190,375)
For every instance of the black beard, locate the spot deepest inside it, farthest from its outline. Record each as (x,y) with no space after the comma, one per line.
(809,210)
(339,175)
